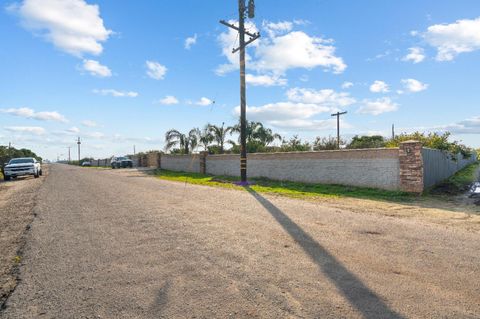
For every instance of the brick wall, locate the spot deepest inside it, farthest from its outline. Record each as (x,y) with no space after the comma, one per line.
(400,168)
(376,168)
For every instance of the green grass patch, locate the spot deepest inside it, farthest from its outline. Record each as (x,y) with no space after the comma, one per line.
(290,189)
(459,182)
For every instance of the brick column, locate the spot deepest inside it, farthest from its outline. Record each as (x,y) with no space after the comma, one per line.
(411,167)
(203,162)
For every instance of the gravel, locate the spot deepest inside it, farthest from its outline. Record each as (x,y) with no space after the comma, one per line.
(121,244)
(17,199)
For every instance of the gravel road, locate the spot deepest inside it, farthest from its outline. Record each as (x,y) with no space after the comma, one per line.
(120,244)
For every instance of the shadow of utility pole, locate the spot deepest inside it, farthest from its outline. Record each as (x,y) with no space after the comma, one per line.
(356,292)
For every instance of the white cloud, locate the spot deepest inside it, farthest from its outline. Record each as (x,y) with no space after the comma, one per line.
(73,130)
(379,87)
(30,113)
(204,102)
(378,106)
(309,125)
(115,93)
(300,110)
(169,100)
(281,50)
(89,123)
(347,85)
(297,50)
(413,86)
(95,135)
(96,69)
(283,111)
(273,28)
(190,41)
(155,70)
(36,130)
(73,26)
(468,126)
(326,97)
(265,80)
(450,40)
(415,55)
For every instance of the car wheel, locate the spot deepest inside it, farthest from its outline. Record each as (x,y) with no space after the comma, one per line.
(113,166)
(6,178)
(41,172)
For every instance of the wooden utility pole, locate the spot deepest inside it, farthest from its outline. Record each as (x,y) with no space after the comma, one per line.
(78,143)
(69,158)
(393,131)
(338,114)
(243,100)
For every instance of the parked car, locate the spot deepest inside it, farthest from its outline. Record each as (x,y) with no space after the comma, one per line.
(86,163)
(21,167)
(121,162)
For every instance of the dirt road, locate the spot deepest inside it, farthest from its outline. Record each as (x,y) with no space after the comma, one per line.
(17,199)
(118,244)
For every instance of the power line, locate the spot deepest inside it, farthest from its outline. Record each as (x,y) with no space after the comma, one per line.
(242,9)
(338,114)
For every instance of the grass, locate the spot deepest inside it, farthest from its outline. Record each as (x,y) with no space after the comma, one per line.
(459,182)
(289,189)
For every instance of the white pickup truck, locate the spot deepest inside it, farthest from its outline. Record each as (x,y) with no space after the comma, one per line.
(21,167)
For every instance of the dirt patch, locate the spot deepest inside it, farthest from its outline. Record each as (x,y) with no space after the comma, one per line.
(17,200)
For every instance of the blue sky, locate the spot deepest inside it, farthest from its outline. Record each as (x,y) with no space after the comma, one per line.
(122,74)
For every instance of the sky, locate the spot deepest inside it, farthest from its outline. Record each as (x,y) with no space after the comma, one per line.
(120,74)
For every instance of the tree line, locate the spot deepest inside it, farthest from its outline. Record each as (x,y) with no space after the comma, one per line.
(7,153)
(260,139)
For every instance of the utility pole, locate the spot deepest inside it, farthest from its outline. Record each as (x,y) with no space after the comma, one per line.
(78,143)
(69,158)
(134,152)
(9,149)
(338,114)
(243,100)
(393,131)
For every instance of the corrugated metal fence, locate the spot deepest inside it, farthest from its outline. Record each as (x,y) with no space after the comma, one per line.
(439,165)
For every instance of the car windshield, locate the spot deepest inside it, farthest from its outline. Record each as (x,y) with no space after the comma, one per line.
(122,159)
(21,161)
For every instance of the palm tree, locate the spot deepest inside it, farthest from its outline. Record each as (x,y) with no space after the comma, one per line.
(219,134)
(257,132)
(252,129)
(205,136)
(266,136)
(186,142)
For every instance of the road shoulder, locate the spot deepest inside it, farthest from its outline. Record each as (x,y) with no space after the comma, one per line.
(17,202)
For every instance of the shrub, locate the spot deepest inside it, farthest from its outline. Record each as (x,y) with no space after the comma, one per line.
(359,142)
(433,140)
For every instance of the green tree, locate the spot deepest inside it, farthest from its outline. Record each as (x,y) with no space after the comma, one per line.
(205,137)
(433,140)
(326,143)
(295,144)
(258,138)
(7,153)
(219,134)
(185,142)
(359,142)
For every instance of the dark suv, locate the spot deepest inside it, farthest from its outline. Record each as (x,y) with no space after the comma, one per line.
(121,162)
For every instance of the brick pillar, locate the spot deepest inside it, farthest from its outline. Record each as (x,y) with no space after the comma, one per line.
(411,167)
(159,160)
(203,162)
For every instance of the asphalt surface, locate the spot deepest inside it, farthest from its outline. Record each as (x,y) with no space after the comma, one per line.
(119,244)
